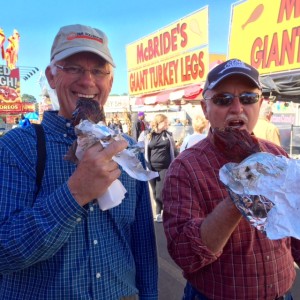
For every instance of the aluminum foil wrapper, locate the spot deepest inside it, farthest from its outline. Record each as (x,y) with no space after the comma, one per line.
(265,189)
(89,133)
(88,119)
(127,159)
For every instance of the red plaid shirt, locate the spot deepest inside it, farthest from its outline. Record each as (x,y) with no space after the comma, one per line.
(250,266)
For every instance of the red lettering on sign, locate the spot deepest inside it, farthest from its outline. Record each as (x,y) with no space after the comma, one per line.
(192,67)
(138,81)
(163,44)
(269,51)
(286,8)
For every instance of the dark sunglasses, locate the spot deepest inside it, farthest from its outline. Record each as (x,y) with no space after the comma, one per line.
(225,99)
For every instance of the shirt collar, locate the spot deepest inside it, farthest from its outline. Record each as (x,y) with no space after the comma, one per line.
(58,124)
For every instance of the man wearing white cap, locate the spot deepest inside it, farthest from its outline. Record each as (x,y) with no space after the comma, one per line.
(224,257)
(55,241)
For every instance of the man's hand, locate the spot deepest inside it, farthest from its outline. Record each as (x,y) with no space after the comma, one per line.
(95,172)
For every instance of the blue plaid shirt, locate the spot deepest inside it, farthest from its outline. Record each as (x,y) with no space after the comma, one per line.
(52,248)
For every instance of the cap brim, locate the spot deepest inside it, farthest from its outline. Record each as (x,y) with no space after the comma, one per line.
(68,52)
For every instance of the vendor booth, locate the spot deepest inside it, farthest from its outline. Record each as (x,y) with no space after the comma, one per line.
(268,33)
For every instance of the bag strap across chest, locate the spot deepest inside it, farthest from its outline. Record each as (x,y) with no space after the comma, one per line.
(41,154)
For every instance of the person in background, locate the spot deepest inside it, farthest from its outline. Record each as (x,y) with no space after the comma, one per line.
(264,129)
(127,126)
(16,123)
(116,124)
(139,126)
(224,257)
(186,122)
(58,243)
(24,122)
(199,125)
(178,123)
(160,151)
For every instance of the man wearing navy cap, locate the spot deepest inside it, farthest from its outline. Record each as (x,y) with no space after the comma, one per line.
(224,257)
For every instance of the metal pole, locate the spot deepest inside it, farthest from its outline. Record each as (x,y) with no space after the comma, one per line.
(291,141)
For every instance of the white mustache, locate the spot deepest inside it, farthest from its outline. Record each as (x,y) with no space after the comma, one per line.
(241,117)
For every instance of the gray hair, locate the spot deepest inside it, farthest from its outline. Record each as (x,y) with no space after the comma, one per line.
(265,110)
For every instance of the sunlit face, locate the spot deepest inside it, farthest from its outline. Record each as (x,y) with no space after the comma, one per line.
(164,125)
(236,115)
(70,87)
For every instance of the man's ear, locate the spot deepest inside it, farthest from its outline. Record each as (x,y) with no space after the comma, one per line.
(204,107)
(50,77)
(261,100)
(111,83)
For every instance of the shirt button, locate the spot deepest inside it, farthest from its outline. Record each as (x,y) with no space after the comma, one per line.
(98,275)
(65,135)
(91,208)
(68,124)
(78,219)
(95,242)
(268,257)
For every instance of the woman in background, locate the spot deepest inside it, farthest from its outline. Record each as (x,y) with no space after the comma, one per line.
(160,151)
(199,126)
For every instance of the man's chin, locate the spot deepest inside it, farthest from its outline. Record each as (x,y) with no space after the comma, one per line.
(66,115)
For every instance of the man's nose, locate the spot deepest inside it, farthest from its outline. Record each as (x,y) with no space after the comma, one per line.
(236,104)
(87,77)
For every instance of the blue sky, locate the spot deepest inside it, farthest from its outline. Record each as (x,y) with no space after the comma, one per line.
(123,21)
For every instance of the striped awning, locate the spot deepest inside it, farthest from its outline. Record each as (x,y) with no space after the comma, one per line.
(189,92)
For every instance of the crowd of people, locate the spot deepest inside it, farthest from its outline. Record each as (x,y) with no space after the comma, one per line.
(55,241)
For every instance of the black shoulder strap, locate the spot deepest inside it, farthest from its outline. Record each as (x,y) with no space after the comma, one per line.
(41,154)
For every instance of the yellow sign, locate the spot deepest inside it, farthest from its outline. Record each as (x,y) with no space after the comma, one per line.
(173,56)
(265,34)
(177,71)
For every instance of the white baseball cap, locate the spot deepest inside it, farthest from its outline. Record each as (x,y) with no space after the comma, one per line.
(77,38)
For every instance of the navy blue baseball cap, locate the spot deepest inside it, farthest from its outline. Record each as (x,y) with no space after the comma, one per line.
(228,68)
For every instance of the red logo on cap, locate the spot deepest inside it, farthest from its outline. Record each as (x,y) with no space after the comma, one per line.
(81,35)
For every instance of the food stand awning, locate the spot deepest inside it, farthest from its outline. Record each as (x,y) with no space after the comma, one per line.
(285,86)
(189,92)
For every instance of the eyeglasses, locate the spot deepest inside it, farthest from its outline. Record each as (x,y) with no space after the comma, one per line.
(73,70)
(225,99)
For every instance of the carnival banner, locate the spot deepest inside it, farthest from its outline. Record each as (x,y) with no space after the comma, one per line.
(9,85)
(266,34)
(2,40)
(17,107)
